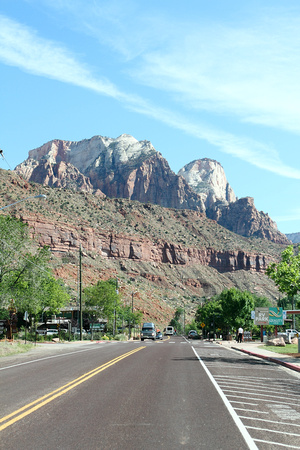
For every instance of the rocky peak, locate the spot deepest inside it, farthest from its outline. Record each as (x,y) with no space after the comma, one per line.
(125,151)
(207,178)
(243,218)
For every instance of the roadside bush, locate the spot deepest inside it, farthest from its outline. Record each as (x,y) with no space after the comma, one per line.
(120,337)
(97,336)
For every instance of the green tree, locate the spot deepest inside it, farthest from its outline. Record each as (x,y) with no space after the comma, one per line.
(261,302)
(25,274)
(286,274)
(211,314)
(177,321)
(236,307)
(102,299)
(34,289)
(14,242)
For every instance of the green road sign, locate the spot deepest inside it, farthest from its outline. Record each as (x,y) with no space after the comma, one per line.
(275,316)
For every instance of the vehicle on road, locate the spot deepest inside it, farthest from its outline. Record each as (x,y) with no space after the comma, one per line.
(193,334)
(148,331)
(159,335)
(169,331)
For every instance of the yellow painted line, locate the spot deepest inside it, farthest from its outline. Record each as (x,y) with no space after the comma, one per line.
(42,401)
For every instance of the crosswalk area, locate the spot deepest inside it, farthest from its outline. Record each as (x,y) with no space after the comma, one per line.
(264,396)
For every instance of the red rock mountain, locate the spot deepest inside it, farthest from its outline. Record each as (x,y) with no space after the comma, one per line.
(127,168)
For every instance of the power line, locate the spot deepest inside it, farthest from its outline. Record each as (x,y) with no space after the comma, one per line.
(3,157)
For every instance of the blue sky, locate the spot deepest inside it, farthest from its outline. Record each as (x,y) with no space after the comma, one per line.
(217,79)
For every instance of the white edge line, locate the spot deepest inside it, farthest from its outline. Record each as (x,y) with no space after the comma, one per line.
(46,357)
(237,420)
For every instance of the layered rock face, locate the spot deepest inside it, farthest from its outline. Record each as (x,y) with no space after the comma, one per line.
(127,168)
(63,238)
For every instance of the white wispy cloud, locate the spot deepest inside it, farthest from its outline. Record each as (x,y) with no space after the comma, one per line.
(249,70)
(249,73)
(22,47)
(195,83)
(293,216)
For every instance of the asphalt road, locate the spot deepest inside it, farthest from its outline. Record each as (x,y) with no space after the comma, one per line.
(168,394)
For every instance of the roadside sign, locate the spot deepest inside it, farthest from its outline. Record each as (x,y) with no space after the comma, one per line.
(202,325)
(261,316)
(275,316)
(269,316)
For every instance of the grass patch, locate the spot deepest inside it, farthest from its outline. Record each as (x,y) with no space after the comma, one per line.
(290,348)
(13,348)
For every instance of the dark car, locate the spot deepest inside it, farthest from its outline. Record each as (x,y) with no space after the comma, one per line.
(159,335)
(193,334)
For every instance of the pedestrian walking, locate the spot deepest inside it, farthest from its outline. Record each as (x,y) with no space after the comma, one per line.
(240,334)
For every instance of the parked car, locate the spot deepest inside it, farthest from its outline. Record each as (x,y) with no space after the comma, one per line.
(159,335)
(292,333)
(193,334)
(288,335)
(77,333)
(52,332)
(42,331)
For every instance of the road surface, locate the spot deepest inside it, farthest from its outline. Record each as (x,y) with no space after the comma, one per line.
(169,394)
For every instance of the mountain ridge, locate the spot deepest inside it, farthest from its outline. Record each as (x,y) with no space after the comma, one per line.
(127,168)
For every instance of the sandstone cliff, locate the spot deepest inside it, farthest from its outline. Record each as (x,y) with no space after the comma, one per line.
(127,168)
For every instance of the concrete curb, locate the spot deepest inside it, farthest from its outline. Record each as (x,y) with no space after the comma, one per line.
(269,358)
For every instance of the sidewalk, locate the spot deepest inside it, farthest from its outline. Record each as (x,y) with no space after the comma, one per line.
(256,348)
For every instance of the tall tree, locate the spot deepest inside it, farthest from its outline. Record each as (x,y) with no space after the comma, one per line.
(211,314)
(25,274)
(286,273)
(14,242)
(236,306)
(102,299)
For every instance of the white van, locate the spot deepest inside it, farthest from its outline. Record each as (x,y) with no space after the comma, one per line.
(169,331)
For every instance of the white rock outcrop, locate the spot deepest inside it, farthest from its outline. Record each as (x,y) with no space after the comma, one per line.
(207,178)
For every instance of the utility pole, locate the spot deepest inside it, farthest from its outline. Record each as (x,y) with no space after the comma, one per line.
(114,323)
(80,294)
(294,316)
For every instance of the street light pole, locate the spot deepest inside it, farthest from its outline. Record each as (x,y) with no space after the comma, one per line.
(24,199)
(80,294)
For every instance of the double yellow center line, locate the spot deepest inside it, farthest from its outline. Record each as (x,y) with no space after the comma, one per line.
(42,401)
